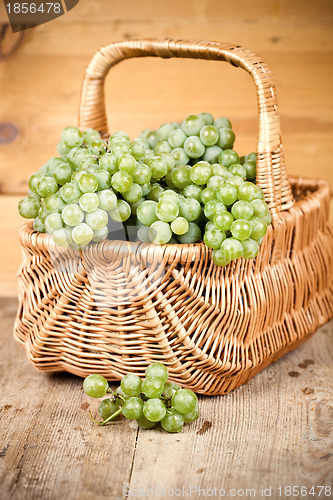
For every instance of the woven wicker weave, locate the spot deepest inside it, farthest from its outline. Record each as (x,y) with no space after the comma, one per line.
(116,306)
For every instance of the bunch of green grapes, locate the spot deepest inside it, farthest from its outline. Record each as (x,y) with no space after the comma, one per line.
(180,184)
(149,401)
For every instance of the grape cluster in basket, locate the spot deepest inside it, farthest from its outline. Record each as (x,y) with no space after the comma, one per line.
(182,183)
(150,401)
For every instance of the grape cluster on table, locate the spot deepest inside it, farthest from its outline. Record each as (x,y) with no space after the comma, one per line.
(182,183)
(149,401)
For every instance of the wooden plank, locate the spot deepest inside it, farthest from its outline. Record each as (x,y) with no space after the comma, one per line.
(275,431)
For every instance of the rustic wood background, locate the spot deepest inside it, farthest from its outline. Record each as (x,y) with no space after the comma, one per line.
(40,84)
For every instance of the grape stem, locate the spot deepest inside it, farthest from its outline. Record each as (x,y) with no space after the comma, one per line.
(111,417)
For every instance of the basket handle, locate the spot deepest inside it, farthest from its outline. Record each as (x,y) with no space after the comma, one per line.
(271,173)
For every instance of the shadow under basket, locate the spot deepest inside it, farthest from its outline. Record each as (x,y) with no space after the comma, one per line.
(116,306)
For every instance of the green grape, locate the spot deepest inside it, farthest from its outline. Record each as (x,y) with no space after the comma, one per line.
(62,174)
(145,188)
(192,235)
(53,222)
(34,195)
(142,234)
(100,234)
(179,225)
(82,234)
(180,156)
(192,191)
(193,147)
(212,208)
(220,170)
(109,162)
(248,191)
(42,214)
(46,186)
(157,370)
(90,135)
(215,182)
(103,178)
(121,212)
(212,153)
(143,134)
(191,416)
(141,174)
(268,218)
(235,180)
(88,183)
(228,157)
(119,149)
(144,423)
(155,192)
(154,410)
(131,385)
(38,225)
(98,147)
(164,131)
(138,149)
(168,194)
(250,248)
(218,258)
(62,237)
(210,225)
(223,221)
(181,176)
(132,408)
(95,386)
(62,149)
(127,163)
(72,137)
(251,157)
(149,154)
(146,212)
(76,176)
(97,219)
(159,233)
(209,135)
(237,170)
(200,173)
(173,421)
(53,203)
(193,124)
(89,165)
(134,194)
(70,192)
(152,139)
(169,160)
(152,387)
(29,207)
(177,138)
(190,209)
(226,138)
(72,214)
(251,170)
(242,210)
(184,401)
(207,195)
(259,228)
(241,229)
(232,248)
(162,147)
(121,181)
(107,408)
(167,210)
(89,202)
(77,156)
(33,181)
(51,165)
(170,388)
(208,118)
(121,396)
(260,208)
(227,193)
(222,123)
(119,137)
(213,238)
(158,167)
(43,170)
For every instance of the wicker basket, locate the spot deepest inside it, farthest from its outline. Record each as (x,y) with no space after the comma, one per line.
(116,306)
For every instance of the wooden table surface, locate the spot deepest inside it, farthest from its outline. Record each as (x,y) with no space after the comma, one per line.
(276,431)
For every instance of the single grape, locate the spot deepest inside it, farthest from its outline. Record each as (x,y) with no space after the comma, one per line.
(159,233)
(107,200)
(62,149)
(38,225)
(223,221)
(193,147)
(162,147)
(90,135)
(103,178)
(193,124)
(109,162)
(220,170)
(215,182)
(62,174)
(181,176)
(138,149)
(51,165)
(70,192)
(89,202)
(192,191)
(134,193)
(158,167)
(149,154)
(97,219)
(167,210)
(191,416)
(222,122)
(152,387)
(131,385)
(127,163)
(47,186)
(164,131)
(242,210)
(212,153)
(184,401)
(213,208)
(117,137)
(173,421)
(98,147)
(169,160)
(107,407)
(142,234)
(228,157)
(170,388)
(200,173)
(53,222)
(152,139)
(146,212)
(226,138)
(122,395)
(157,370)
(154,410)
(29,207)
(168,194)
(192,235)
(210,225)
(72,137)
(141,174)
(259,228)
(248,192)
(209,135)
(82,234)
(155,191)
(241,229)
(207,195)
(100,234)
(176,138)
(208,118)
(250,248)
(121,212)
(235,180)
(237,169)
(189,208)
(88,183)
(121,181)
(33,181)
(251,170)
(260,208)
(72,214)
(219,258)
(179,225)
(180,156)
(250,157)
(213,238)
(145,188)
(232,249)
(144,423)
(76,176)
(227,193)
(132,408)
(95,386)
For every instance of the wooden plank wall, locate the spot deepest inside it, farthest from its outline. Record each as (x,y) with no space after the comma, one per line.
(40,83)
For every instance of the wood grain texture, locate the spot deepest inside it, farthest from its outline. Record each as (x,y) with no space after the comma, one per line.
(275,431)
